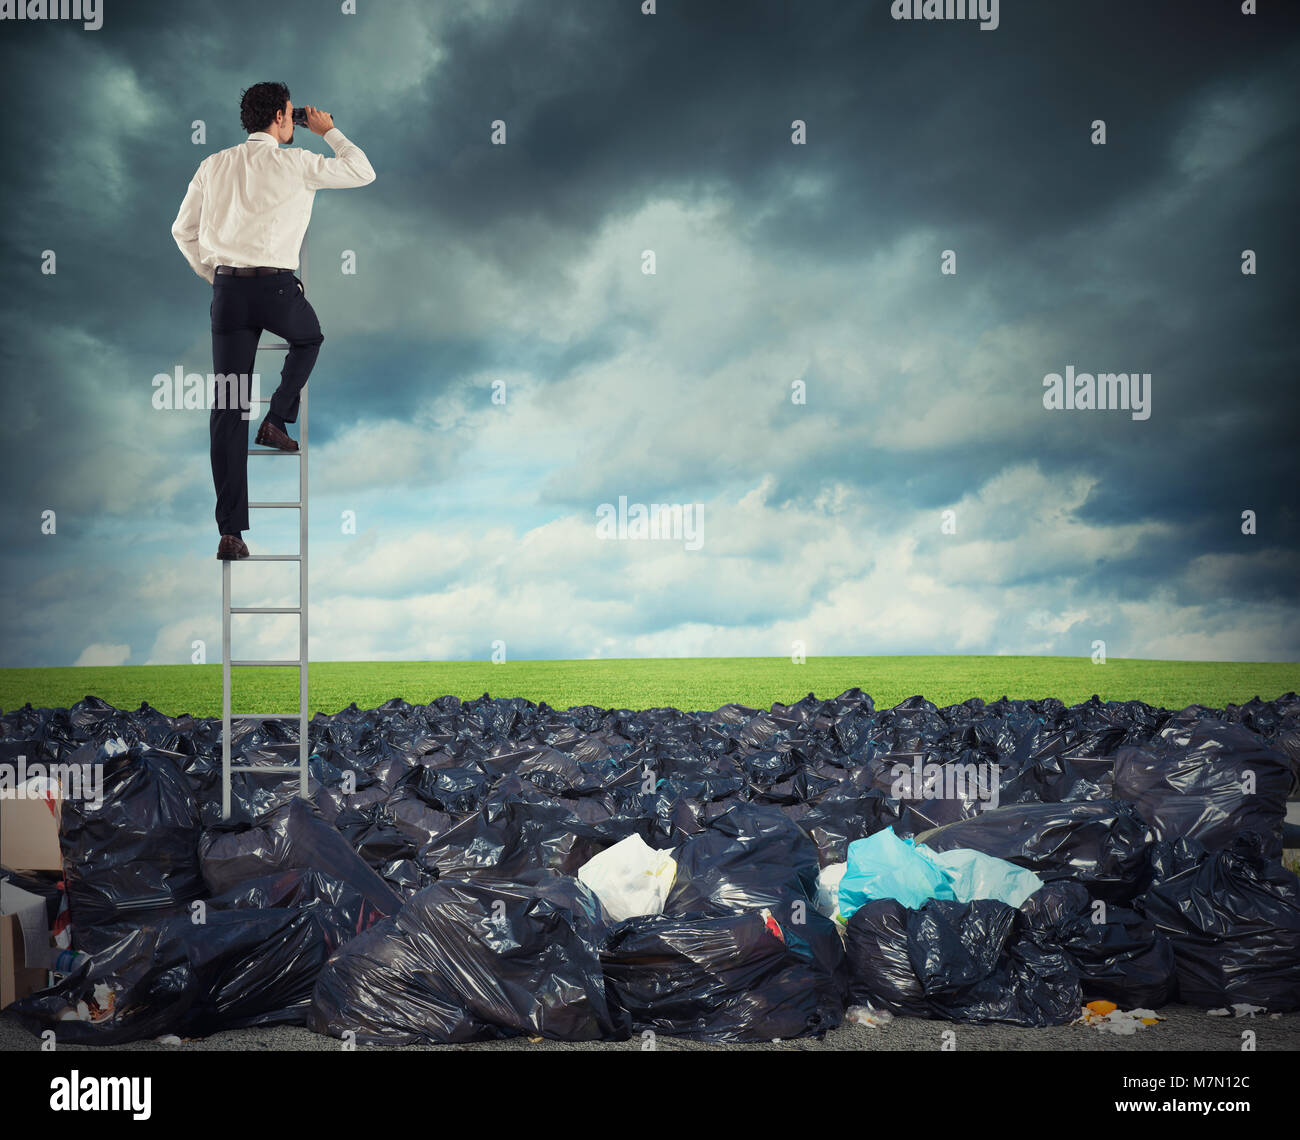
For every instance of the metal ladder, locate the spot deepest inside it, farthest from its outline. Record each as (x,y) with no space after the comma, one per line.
(300,505)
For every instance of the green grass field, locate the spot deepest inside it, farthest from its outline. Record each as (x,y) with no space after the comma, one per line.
(685,683)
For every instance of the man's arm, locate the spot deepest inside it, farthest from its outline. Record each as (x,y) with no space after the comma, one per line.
(348,167)
(185,229)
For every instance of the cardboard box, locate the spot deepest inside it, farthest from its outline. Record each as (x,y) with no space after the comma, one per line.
(17,979)
(29,835)
(25,948)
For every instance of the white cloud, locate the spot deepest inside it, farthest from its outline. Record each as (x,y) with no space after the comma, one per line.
(765,577)
(100,654)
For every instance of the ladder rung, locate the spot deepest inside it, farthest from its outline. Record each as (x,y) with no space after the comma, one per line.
(271,451)
(265,768)
(272,348)
(295,506)
(270,558)
(257,662)
(266,716)
(266,609)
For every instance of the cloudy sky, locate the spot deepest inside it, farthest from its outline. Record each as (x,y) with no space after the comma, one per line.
(775,262)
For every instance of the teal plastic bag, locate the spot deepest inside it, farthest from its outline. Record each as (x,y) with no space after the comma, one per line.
(882,866)
(974,875)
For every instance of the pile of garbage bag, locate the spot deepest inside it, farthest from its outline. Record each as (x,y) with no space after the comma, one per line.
(169,975)
(472,870)
(1121,955)
(975,961)
(473,958)
(1233,919)
(136,849)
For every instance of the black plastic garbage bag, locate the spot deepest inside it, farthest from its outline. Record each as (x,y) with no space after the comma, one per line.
(726,977)
(1164,861)
(928,789)
(880,969)
(346,911)
(294,837)
(845,814)
(475,959)
(374,835)
(1121,956)
(169,975)
(511,834)
(406,877)
(1100,843)
(136,850)
(951,946)
(415,817)
(753,860)
(1209,781)
(970,962)
(1234,922)
(1056,765)
(453,789)
(256,798)
(749,857)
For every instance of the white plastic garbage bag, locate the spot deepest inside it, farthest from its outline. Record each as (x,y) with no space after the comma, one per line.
(827,899)
(631,878)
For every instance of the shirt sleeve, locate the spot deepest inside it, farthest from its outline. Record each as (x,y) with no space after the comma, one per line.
(348,167)
(185,229)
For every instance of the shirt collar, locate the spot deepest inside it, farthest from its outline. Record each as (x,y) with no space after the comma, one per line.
(262,136)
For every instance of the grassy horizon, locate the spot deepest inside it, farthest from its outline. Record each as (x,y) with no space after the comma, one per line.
(688,683)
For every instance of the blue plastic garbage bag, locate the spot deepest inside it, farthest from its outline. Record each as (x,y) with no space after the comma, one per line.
(882,866)
(974,875)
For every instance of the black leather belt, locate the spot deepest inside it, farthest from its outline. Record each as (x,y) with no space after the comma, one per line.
(250,270)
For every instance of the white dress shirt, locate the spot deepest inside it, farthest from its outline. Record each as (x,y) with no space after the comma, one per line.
(250,204)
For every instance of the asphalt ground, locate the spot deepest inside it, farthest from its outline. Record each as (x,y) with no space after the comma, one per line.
(1183,1028)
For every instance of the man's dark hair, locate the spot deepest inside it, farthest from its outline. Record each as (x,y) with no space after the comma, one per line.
(259,104)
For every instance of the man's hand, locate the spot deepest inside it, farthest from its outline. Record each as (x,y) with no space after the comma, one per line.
(319,121)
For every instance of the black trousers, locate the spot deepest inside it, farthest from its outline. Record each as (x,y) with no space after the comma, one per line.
(241,308)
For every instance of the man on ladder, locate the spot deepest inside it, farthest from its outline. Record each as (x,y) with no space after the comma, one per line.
(240,228)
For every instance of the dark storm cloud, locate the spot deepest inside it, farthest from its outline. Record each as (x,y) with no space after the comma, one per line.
(1115,258)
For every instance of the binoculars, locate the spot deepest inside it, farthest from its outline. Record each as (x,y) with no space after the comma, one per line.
(300,116)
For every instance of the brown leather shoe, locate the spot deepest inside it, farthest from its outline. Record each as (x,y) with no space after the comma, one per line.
(268,435)
(231,548)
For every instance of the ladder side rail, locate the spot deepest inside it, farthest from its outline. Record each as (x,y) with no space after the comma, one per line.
(225,690)
(304,747)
